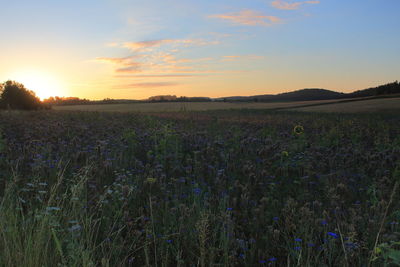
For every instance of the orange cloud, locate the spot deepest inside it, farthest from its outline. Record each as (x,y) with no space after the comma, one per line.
(152,85)
(157,76)
(145,45)
(116,60)
(132,68)
(280,4)
(248,18)
(159,57)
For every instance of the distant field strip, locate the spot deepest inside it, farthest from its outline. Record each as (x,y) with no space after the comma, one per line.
(187,106)
(369,105)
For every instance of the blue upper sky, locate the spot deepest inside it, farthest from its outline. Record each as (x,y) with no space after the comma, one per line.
(135,49)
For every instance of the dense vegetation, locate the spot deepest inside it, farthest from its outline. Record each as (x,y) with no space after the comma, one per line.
(14,95)
(243,188)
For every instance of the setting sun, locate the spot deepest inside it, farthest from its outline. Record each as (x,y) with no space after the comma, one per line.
(43,84)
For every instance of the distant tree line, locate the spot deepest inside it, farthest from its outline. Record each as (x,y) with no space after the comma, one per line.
(386,89)
(14,95)
(66,101)
(174,98)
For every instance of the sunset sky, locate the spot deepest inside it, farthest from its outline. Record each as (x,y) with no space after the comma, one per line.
(130,49)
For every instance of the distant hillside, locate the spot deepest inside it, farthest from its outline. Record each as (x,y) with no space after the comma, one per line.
(317,94)
(299,95)
(386,89)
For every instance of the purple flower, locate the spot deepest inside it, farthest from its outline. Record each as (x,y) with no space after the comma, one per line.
(272,259)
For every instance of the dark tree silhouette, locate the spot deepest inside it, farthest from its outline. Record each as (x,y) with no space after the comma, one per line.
(14,95)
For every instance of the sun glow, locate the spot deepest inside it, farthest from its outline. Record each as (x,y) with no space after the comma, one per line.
(43,84)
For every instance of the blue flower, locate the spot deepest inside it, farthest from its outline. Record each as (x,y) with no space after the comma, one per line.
(297,248)
(197,191)
(229,209)
(275,219)
(169,241)
(334,235)
(272,259)
(262,261)
(324,222)
(298,239)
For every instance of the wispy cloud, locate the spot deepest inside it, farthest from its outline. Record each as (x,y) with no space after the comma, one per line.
(146,45)
(116,60)
(152,85)
(249,18)
(132,68)
(158,57)
(157,76)
(280,4)
(125,64)
(241,57)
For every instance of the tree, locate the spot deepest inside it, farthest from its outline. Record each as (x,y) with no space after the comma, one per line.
(14,95)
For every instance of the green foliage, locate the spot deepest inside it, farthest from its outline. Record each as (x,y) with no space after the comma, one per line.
(15,96)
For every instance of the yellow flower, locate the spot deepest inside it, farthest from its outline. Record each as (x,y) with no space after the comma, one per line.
(151,180)
(285,154)
(298,129)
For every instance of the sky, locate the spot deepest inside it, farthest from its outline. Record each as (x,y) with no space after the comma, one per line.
(131,49)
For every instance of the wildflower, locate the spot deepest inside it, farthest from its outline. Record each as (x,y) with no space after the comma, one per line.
(285,154)
(197,191)
(229,209)
(324,222)
(298,130)
(262,261)
(297,248)
(311,244)
(151,180)
(275,219)
(169,241)
(298,239)
(334,235)
(272,259)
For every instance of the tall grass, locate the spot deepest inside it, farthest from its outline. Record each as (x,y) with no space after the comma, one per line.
(207,189)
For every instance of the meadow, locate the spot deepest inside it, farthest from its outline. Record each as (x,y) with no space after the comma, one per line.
(215,188)
(186,106)
(358,105)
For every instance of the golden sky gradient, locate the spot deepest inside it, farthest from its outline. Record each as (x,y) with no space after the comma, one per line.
(132,49)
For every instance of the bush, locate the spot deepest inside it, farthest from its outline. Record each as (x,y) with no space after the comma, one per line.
(14,95)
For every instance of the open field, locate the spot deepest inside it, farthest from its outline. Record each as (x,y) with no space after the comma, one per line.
(189,106)
(370,105)
(342,105)
(215,188)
